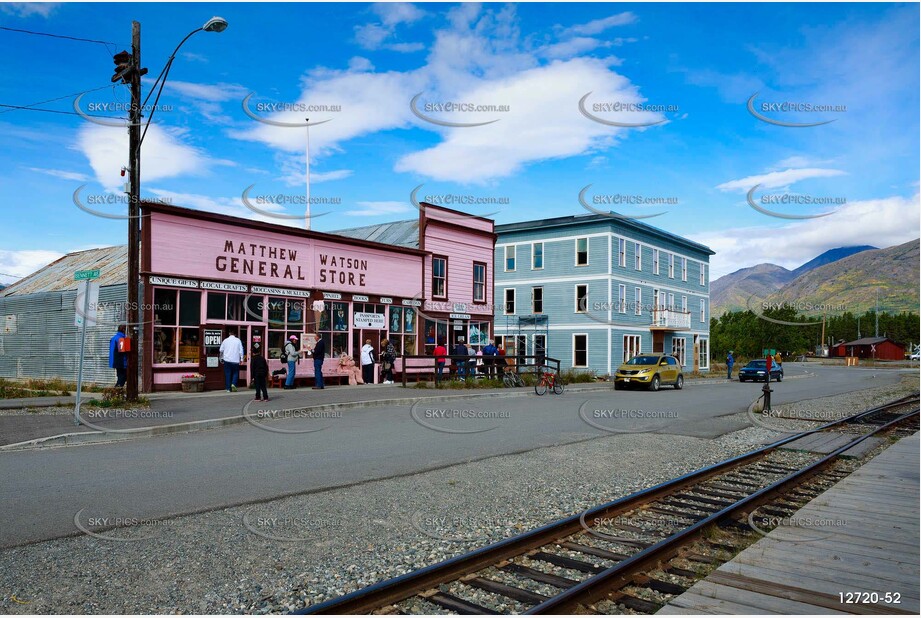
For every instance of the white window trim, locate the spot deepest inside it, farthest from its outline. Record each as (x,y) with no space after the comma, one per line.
(575,290)
(706,358)
(622,298)
(684,269)
(703,311)
(637,256)
(639,346)
(574,335)
(684,304)
(671,265)
(505,292)
(621,256)
(533,309)
(655,261)
(638,301)
(505,260)
(703,274)
(533,267)
(587,245)
(485,283)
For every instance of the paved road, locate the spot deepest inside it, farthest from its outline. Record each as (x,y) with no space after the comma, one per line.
(42,490)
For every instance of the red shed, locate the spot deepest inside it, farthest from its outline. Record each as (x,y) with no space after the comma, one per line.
(882,348)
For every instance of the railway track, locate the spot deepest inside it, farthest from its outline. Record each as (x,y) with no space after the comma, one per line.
(630,555)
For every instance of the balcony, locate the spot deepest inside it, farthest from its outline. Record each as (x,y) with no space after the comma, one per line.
(669,319)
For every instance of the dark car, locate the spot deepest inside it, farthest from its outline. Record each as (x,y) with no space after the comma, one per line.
(755,369)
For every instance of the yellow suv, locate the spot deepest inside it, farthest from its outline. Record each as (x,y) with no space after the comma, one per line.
(649,370)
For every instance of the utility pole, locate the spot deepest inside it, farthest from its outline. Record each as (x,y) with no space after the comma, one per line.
(876,314)
(134,210)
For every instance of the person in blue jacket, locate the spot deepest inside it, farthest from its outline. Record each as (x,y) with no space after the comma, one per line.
(118,360)
(730,361)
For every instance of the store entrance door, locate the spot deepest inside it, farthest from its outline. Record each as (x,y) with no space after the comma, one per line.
(209,358)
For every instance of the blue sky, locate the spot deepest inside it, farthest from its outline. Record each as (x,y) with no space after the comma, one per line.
(366,62)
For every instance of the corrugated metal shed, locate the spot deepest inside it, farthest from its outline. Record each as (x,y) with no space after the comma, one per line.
(58,276)
(398,233)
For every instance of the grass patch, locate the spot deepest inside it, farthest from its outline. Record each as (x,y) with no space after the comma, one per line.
(42,387)
(116,398)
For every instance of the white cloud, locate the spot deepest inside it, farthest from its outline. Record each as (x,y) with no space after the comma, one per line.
(772,180)
(543,123)
(20,264)
(27,9)
(572,47)
(598,26)
(62,174)
(229,206)
(374,209)
(327,176)
(895,219)
(358,63)
(164,154)
(209,92)
(391,14)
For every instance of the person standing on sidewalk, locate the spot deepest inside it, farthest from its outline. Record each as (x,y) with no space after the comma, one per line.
(388,357)
(260,370)
(231,355)
(292,357)
(118,360)
(319,354)
(730,361)
(490,352)
(440,353)
(367,362)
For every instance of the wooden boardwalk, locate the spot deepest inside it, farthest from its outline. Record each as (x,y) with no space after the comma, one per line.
(860,536)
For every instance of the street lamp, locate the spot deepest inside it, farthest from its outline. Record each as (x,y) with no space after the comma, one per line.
(135,139)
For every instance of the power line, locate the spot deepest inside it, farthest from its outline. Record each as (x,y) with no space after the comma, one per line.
(59,36)
(31,105)
(57,111)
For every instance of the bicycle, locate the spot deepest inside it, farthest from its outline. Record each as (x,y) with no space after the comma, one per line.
(548,381)
(511,379)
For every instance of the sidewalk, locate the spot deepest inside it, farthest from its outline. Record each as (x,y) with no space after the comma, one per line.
(173,412)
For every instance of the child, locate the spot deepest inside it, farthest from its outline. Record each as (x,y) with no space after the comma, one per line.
(260,370)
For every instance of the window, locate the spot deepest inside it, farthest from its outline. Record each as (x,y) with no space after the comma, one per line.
(436,331)
(509,258)
(655,261)
(510,301)
(703,274)
(537,300)
(537,256)
(678,345)
(177,315)
(637,256)
(656,297)
(703,353)
(479,282)
(401,329)
(439,277)
(684,304)
(622,252)
(684,269)
(580,350)
(671,265)
(285,317)
(222,306)
(631,346)
(333,327)
(478,333)
(581,298)
(637,301)
(671,302)
(540,348)
(582,252)
(703,310)
(622,298)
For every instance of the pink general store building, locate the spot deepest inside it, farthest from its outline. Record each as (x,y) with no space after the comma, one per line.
(414,282)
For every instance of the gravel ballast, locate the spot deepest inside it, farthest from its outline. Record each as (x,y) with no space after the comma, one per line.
(284,554)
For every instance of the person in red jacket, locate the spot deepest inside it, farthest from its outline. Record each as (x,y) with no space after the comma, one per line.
(440,357)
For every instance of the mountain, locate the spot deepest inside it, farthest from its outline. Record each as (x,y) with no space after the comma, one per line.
(731,292)
(851,283)
(749,286)
(832,255)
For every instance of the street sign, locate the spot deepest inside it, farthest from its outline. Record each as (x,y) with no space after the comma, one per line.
(82,275)
(85,303)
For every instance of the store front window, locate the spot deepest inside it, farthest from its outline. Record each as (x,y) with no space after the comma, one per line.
(177,314)
(401,329)
(285,318)
(334,328)
(436,331)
